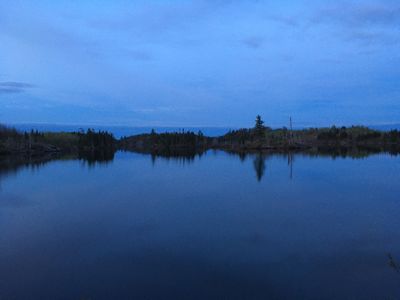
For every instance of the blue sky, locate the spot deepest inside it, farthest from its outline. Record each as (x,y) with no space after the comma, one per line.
(200,63)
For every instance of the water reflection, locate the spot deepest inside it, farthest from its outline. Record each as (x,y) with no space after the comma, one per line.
(11,164)
(180,157)
(290,164)
(259,165)
(393,264)
(259,158)
(221,225)
(97,157)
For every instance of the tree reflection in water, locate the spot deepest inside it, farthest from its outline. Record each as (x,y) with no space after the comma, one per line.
(259,166)
(11,164)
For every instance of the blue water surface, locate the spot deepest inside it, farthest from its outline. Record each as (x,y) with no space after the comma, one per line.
(218,226)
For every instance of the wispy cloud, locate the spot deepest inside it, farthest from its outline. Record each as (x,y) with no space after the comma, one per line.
(153,18)
(287,20)
(11,87)
(162,109)
(365,23)
(186,62)
(361,14)
(140,55)
(369,38)
(253,42)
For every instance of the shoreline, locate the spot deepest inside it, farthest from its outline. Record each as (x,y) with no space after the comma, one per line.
(257,139)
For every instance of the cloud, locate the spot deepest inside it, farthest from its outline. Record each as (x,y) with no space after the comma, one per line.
(12,87)
(254,42)
(140,55)
(360,15)
(285,20)
(152,18)
(366,23)
(98,62)
(368,38)
(162,109)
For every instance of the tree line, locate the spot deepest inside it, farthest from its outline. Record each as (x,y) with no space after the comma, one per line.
(13,141)
(259,137)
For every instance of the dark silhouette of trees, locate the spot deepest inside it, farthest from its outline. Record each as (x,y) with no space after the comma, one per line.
(340,140)
(12,141)
(168,143)
(259,127)
(92,140)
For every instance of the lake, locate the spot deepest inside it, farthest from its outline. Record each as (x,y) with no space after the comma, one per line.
(215,226)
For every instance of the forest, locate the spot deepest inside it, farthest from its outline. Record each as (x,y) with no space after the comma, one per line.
(340,140)
(38,143)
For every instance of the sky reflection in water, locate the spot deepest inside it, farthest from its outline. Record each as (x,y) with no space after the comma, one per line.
(216,225)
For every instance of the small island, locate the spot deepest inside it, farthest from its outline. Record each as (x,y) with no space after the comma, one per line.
(262,138)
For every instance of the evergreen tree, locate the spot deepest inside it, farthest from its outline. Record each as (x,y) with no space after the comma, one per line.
(259,126)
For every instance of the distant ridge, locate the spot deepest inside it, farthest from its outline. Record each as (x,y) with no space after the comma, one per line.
(119,131)
(386,127)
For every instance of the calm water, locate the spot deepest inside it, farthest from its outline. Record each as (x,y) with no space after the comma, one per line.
(216,227)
